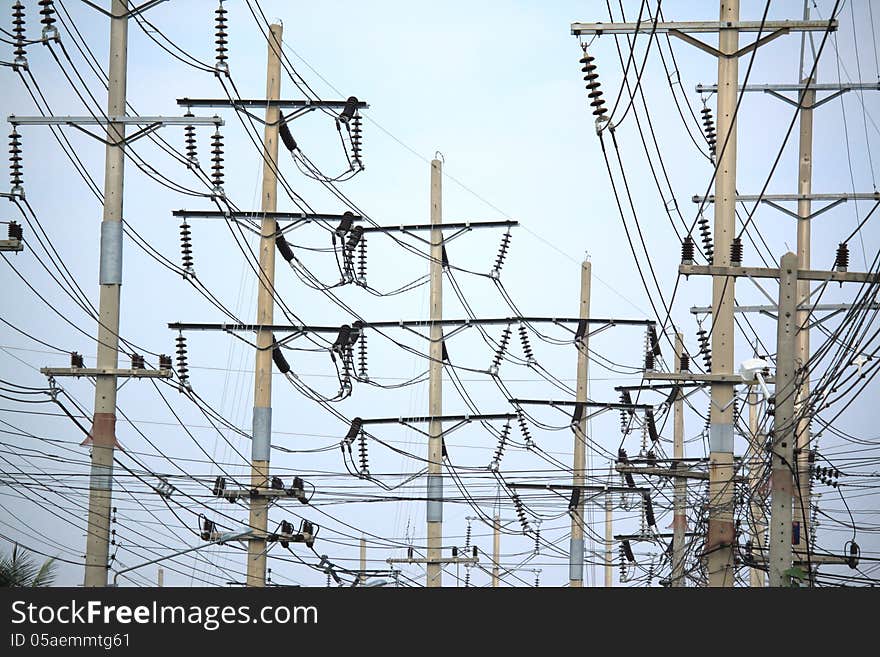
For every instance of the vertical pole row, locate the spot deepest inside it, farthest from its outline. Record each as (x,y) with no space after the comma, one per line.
(262,418)
(103,435)
(496,550)
(435,384)
(679,514)
(755,462)
(576,543)
(721,539)
(784,424)
(609,537)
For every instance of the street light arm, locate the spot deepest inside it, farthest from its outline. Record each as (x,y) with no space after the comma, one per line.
(223,539)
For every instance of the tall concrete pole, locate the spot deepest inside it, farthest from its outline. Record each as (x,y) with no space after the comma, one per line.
(363,576)
(755,462)
(802,442)
(496,550)
(784,424)
(103,436)
(721,539)
(609,537)
(679,515)
(576,544)
(262,418)
(435,384)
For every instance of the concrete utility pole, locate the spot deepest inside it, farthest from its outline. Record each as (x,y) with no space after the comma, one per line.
(576,543)
(496,549)
(609,537)
(103,436)
(435,384)
(755,462)
(720,540)
(784,424)
(262,418)
(679,517)
(363,576)
(160,577)
(802,441)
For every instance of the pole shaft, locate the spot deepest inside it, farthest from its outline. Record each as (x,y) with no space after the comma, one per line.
(802,442)
(363,576)
(720,540)
(679,517)
(784,424)
(262,418)
(609,537)
(496,550)
(103,434)
(755,461)
(435,384)
(576,543)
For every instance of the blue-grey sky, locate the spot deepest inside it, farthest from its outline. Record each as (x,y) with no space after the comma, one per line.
(496,88)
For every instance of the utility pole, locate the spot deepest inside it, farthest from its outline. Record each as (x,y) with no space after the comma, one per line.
(496,548)
(160,577)
(801,518)
(784,424)
(609,537)
(435,384)
(103,436)
(576,544)
(755,462)
(679,517)
(262,417)
(721,539)
(363,576)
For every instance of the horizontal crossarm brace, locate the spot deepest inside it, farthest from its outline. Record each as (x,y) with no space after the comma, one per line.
(127,120)
(262,102)
(761,272)
(440,418)
(700,27)
(588,404)
(105,371)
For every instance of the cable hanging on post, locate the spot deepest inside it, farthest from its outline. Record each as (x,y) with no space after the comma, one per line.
(182,368)
(595,92)
(186,249)
(15,166)
(220,35)
(709,129)
(217,162)
(502,254)
(190,139)
(18,29)
(47,11)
